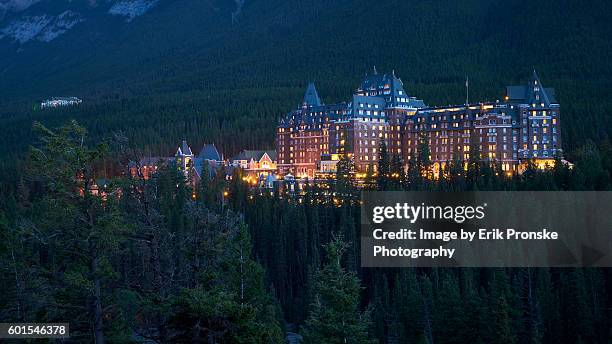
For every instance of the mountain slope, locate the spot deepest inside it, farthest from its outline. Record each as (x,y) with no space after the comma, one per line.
(193,69)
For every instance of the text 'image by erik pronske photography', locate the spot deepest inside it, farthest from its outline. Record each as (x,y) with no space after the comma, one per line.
(306,171)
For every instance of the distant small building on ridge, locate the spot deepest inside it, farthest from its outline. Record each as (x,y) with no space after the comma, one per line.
(60,101)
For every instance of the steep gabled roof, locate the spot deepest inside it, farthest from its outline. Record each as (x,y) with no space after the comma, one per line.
(532,93)
(374,81)
(389,87)
(311,97)
(271,154)
(184,149)
(536,92)
(255,155)
(209,152)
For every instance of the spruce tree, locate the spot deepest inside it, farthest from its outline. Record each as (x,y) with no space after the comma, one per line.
(345,183)
(407,309)
(384,167)
(335,316)
(449,320)
(424,157)
(414,178)
(77,227)
(398,174)
(473,165)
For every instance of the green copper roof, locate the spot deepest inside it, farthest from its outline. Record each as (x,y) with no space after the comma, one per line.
(311,98)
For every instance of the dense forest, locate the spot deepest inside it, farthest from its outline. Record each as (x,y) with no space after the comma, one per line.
(207,79)
(140,263)
(161,260)
(158,260)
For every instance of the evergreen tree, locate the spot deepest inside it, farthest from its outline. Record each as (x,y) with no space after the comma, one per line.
(345,179)
(406,302)
(591,165)
(503,331)
(424,157)
(449,320)
(456,174)
(384,167)
(229,303)
(398,174)
(414,178)
(501,309)
(473,165)
(77,228)
(334,316)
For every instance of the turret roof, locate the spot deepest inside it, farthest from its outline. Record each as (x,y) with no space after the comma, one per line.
(311,97)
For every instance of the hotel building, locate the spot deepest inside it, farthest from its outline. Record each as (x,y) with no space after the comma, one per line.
(523,126)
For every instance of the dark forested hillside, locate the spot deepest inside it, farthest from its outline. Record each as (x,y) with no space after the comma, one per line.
(129,259)
(185,69)
(143,260)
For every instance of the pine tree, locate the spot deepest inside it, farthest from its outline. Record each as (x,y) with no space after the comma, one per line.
(414,178)
(384,167)
(561,173)
(398,174)
(457,175)
(406,307)
(503,331)
(85,226)
(547,303)
(424,157)
(229,303)
(474,307)
(345,183)
(501,311)
(334,316)
(473,165)
(450,321)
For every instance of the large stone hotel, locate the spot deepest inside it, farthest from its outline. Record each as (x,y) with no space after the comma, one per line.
(523,126)
(311,139)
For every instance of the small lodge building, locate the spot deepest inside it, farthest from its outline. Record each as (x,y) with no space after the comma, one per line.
(257,165)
